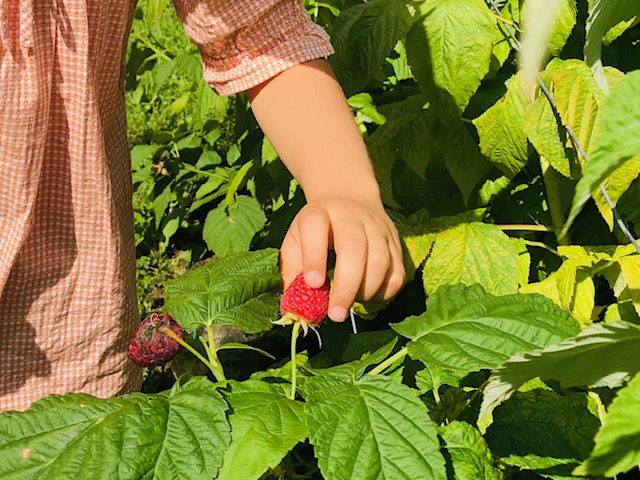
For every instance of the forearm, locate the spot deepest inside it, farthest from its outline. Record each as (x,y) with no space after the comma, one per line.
(304,114)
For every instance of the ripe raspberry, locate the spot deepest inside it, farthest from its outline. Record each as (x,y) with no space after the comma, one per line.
(304,304)
(150,346)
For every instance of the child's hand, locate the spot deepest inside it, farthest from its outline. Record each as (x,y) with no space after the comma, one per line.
(368,252)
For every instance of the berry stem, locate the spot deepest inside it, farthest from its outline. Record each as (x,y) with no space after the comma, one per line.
(381,367)
(295,331)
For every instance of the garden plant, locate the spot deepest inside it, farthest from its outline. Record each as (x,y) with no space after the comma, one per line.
(513,351)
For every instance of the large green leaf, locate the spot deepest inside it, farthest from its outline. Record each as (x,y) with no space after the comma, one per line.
(265,425)
(450,49)
(375,428)
(468,453)
(544,432)
(238,290)
(603,355)
(177,434)
(466,329)
(418,233)
(472,253)
(617,447)
(363,37)
(501,130)
(603,15)
(230,229)
(617,139)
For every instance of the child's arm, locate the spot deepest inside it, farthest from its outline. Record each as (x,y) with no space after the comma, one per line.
(304,114)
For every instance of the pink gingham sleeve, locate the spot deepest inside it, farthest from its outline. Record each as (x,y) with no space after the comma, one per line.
(245,42)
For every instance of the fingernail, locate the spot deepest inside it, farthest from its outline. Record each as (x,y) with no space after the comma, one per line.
(338,314)
(314,279)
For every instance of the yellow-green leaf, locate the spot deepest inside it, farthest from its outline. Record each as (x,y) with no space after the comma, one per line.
(472,253)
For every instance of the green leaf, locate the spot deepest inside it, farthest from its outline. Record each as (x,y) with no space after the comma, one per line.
(177,434)
(235,184)
(617,30)
(375,428)
(546,134)
(543,432)
(265,425)
(432,377)
(577,96)
(617,447)
(364,35)
(617,140)
(356,368)
(468,453)
(616,184)
(563,25)
(450,49)
(466,329)
(577,361)
(472,253)
(603,15)
(230,230)
(571,286)
(524,260)
(238,290)
(463,158)
(501,130)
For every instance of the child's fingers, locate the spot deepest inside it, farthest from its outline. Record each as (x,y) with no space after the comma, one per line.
(290,256)
(395,276)
(350,245)
(314,227)
(377,266)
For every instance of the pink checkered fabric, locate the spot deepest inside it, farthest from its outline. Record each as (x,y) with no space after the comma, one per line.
(67,258)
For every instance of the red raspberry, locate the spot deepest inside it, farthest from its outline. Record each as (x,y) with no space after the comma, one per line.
(150,346)
(304,304)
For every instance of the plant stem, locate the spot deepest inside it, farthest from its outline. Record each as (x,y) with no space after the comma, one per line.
(381,367)
(172,334)
(527,227)
(295,331)
(436,397)
(552,186)
(217,370)
(189,168)
(541,245)
(504,20)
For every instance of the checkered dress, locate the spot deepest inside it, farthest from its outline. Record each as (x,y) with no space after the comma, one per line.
(67,259)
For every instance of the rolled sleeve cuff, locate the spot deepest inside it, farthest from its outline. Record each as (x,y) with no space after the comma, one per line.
(254,70)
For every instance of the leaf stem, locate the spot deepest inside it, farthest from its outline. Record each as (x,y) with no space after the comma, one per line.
(504,20)
(542,245)
(381,367)
(172,334)
(190,168)
(217,369)
(295,331)
(527,227)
